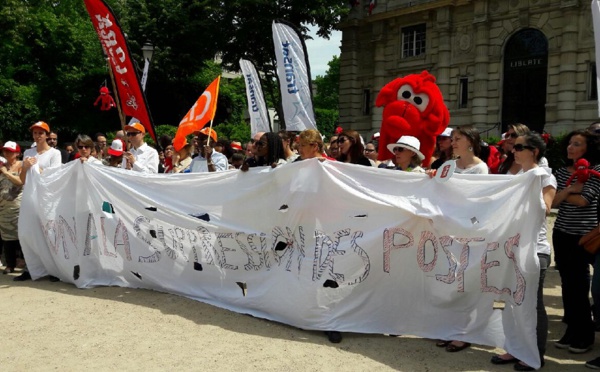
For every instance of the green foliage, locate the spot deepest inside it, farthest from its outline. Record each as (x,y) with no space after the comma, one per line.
(51,62)
(327,120)
(234,131)
(491,140)
(328,86)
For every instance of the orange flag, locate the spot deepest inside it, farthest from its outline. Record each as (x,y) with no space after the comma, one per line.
(201,113)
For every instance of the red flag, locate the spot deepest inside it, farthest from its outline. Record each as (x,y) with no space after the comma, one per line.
(199,115)
(129,89)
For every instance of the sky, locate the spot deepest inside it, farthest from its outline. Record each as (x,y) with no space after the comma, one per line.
(321,51)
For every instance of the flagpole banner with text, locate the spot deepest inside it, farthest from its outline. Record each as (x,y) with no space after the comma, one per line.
(257,107)
(316,245)
(293,71)
(129,89)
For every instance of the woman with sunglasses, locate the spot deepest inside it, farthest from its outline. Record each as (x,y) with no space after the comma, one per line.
(371,152)
(268,151)
(408,156)
(351,148)
(508,165)
(85,146)
(577,215)
(528,150)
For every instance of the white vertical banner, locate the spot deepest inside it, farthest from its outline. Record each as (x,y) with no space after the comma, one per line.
(596,20)
(257,107)
(145,74)
(293,72)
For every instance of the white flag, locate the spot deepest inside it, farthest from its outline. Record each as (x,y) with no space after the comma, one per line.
(294,77)
(257,107)
(596,20)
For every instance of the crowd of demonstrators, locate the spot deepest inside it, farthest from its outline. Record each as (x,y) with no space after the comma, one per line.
(522,150)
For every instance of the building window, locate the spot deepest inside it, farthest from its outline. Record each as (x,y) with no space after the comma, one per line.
(463,92)
(593,83)
(413,40)
(366,102)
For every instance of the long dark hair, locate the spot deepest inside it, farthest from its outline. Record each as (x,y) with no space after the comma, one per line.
(534,140)
(356,150)
(275,146)
(591,154)
(472,135)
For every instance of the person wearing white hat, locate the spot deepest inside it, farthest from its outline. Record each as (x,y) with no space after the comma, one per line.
(115,152)
(11,189)
(408,154)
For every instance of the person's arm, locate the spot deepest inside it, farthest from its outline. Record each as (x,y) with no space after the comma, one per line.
(147,163)
(27,164)
(15,180)
(548,194)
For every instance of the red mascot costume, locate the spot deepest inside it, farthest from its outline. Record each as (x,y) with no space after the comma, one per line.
(413,106)
(105,99)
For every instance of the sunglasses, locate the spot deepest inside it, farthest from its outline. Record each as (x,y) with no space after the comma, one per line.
(342,139)
(520,147)
(131,134)
(81,147)
(260,143)
(398,149)
(511,135)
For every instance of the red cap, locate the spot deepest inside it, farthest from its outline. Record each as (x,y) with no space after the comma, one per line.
(11,146)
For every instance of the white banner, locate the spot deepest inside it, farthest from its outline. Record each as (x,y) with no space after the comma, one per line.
(596,21)
(294,78)
(320,246)
(257,106)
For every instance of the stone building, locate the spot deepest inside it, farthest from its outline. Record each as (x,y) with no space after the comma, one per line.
(496,61)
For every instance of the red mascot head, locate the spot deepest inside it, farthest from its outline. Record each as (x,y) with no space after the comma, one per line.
(413,106)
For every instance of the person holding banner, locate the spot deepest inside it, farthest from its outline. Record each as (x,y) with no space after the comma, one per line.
(577,215)
(466,145)
(140,157)
(38,158)
(85,146)
(351,148)
(528,151)
(407,153)
(311,146)
(268,151)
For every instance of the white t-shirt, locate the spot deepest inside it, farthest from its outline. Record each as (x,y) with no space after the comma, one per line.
(543,246)
(480,168)
(200,165)
(47,159)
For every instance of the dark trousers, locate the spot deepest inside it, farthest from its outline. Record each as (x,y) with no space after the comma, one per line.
(573,264)
(11,250)
(542,316)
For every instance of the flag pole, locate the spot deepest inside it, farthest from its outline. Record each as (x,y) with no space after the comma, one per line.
(209,132)
(112,79)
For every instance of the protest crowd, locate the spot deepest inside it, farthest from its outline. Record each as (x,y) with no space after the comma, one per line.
(519,151)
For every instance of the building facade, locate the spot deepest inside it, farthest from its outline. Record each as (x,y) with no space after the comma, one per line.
(496,61)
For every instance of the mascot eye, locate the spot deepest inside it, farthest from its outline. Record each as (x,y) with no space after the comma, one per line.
(405,92)
(421,101)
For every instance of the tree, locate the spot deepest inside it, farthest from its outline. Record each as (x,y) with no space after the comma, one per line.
(326,98)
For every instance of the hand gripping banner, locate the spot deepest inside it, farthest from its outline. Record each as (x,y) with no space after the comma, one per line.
(129,89)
